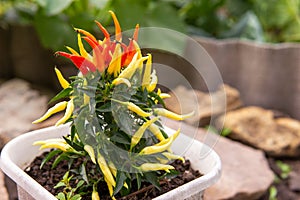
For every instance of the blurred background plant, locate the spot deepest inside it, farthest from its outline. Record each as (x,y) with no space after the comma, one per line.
(247,19)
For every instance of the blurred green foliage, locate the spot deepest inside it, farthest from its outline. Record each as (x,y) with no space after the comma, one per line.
(266,21)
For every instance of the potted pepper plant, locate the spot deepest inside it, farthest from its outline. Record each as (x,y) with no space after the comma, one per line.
(113,144)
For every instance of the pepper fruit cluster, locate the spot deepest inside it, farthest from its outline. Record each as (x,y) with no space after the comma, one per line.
(114,111)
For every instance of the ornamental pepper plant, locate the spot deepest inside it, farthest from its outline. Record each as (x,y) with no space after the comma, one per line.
(113,108)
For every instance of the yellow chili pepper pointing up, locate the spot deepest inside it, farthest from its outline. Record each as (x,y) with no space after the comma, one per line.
(132,67)
(155,130)
(63,82)
(137,48)
(171,115)
(55,109)
(153,82)
(115,64)
(81,47)
(68,113)
(147,73)
(139,133)
(72,51)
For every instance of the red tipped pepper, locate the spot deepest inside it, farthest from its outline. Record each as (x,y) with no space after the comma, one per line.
(80,62)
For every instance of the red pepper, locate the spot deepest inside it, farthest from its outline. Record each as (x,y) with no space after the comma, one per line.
(104,31)
(80,62)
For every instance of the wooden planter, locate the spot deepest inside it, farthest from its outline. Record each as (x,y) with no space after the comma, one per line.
(266,75)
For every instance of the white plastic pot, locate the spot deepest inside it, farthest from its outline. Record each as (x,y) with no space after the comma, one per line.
(19,152)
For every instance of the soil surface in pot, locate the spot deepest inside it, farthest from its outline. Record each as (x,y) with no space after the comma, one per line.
(48,178)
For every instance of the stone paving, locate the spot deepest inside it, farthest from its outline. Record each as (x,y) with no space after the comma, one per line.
(246,170)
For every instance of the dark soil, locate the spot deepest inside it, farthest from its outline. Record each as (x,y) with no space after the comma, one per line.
(48,178)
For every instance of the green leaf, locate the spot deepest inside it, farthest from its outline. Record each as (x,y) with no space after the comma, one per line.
(65,177)
(49,156)
(120,138)
(58,159)
(272,193)
(79,184)
(62,94)
(138,181)
(54,7)
(152,178)
(83,174)
(59,184)
(225,132)
(247,27)
(105,107)
(61,196)
(74,145)
(285,169)
(173,173)
(121,177)
(54,32)
(76,197)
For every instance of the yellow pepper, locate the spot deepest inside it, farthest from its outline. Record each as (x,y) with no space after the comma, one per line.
(81,47)
(55,109)
(105,170)
(63,82)
(68,113)
(58,145)
(153,82)
(137,48)
(90,150)
(159,147)
(41,142)
(136,109)
(128,72)
(175,135)
(115,64)
(118,81)
(114,171)
(95,195)
(139,133)
(171,156)
(112,168)
(155,167)
(86,99)
(146,77)
(72,51)
(164,95)
(156,132)
(166,113)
